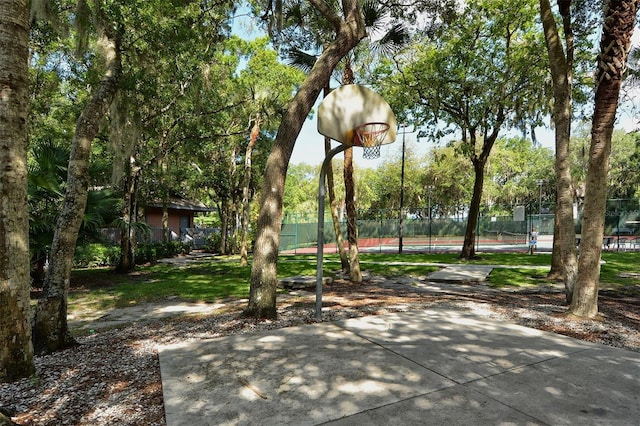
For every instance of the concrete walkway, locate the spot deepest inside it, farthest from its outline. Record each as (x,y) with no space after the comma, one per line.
(461,273)
(435,367)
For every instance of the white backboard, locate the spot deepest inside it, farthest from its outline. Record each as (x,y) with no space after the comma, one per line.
(349,106)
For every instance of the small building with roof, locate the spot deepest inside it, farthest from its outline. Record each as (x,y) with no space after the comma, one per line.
(180,215)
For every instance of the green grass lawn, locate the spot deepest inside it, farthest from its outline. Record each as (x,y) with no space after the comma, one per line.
(205,282)
(225,278)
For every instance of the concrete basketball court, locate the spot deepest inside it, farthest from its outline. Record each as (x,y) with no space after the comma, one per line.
(439,366)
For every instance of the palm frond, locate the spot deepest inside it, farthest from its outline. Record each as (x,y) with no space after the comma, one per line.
(91,221)
(374,14)
(44,184)
(121,224)
(393,40)
(103,202)
(301,60)
(294,12)
(633,68)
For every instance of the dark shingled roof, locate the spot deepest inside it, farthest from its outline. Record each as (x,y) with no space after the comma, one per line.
(183,204)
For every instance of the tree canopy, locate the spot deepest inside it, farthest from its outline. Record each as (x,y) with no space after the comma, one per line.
(484,74)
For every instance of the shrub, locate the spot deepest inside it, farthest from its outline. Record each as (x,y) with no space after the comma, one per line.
(96,254)
(146,252)
(151,252)
(213,243)
(174,248)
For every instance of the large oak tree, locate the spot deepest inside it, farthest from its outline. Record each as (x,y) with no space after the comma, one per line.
(16,351)
(561,66)
(482,76)
(348,24)
(50,331)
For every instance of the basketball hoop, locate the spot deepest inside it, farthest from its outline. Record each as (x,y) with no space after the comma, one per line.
(370,136)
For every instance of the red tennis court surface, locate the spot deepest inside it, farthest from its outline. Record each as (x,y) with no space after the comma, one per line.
(435,244)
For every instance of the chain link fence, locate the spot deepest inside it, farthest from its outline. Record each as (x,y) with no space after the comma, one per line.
(424,232)
(421,231)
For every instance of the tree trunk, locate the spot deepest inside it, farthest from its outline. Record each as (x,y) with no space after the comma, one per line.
(564,204)
(479,162)
(555,272)
(16,351)
(51,331)
(127,261)
(558,66)
(126,245)
(469,245)
(262,295)
(236,227)
(166,232)
(561,72)
(224,226)
(232,240)
(344,261)
(246,208)
(619,22)
(355,274)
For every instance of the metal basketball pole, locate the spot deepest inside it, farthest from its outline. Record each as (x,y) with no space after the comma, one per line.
(321,194)
(401,221)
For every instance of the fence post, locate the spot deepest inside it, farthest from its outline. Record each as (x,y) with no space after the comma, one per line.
(478,232)
(295,235)
(380,231)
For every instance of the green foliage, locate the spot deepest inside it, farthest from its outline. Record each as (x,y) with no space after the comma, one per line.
(251,87)
(213,243)
(95,255)
(142,228)
(207,221)
(301,188)
(384,185)
(441,178)
(624,164)
(375,189)
(151,252)
(513,171)
(449,180)
(624,172)
(98,254)
(102,208)
(179,247)
(46,182)
(493,76)
(47,169)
